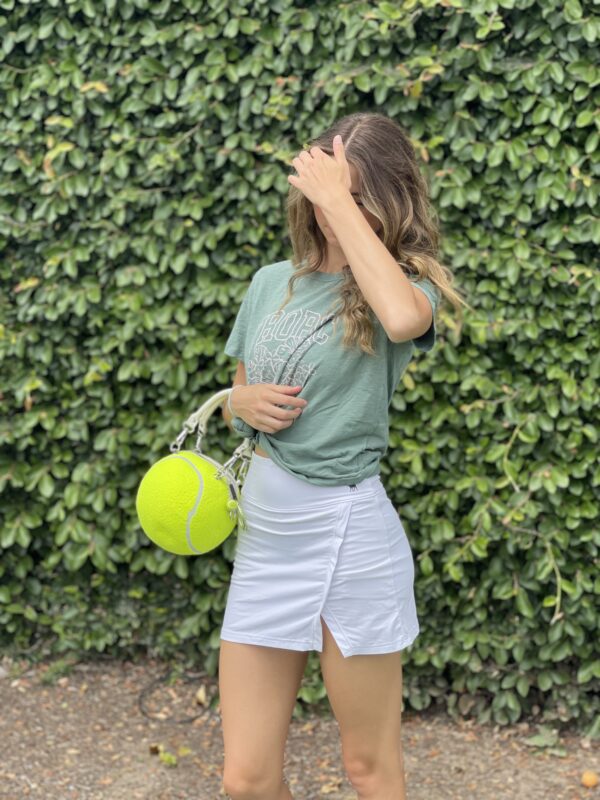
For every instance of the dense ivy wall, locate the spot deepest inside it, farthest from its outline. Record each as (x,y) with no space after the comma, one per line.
(144,149)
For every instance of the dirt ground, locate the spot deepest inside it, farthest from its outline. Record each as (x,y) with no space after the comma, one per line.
(112,730)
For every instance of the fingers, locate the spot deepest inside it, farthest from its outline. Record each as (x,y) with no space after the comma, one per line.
(273,411)
(279,396)
(269,415)
(272,425)
(278,400)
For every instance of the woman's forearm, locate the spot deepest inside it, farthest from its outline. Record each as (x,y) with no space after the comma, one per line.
(227,416)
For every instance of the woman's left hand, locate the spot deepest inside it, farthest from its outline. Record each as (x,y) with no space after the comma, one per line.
(320,177)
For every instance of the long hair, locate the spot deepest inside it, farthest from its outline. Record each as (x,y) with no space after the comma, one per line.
(395,191)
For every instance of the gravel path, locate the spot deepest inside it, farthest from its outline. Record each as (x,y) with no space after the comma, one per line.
(89,736)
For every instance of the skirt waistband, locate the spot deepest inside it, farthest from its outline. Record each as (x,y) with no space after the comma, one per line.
(269,485)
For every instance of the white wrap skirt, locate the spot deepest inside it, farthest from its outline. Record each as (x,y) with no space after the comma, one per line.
(308,551)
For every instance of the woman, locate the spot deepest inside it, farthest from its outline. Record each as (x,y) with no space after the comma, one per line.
(324,562)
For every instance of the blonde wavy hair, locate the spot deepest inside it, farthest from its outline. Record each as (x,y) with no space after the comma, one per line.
(395,191)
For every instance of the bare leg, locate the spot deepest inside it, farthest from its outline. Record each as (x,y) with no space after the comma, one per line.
(258,688)
(365,692)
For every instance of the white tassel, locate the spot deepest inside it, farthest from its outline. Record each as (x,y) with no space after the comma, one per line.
(235,512)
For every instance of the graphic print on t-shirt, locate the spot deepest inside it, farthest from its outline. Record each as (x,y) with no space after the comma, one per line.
(282,340)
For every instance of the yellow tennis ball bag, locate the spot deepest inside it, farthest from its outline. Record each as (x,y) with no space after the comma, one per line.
(188,503)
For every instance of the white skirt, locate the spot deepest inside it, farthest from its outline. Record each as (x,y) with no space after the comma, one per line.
(337,552)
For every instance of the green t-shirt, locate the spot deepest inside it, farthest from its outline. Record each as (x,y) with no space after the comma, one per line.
(343,432)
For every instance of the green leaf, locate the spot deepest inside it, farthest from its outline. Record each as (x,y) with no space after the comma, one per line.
(306,42)
(524,604)
(546,737)
(426,565)
(573,10)
(46,486)
(584,118)
(586,672)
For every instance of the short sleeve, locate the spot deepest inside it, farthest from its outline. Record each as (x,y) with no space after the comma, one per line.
(427,339)
(236,343)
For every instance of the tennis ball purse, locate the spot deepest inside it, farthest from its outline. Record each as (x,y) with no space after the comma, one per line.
(188,503)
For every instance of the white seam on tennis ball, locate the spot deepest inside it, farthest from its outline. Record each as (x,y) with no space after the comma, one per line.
(195,508)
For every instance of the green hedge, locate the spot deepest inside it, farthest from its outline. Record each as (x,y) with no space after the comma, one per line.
(144,153)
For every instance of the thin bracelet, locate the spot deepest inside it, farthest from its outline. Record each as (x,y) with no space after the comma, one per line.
(231,411)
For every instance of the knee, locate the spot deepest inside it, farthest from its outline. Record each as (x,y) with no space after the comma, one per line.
(360,770)
(242,786)
(370,777)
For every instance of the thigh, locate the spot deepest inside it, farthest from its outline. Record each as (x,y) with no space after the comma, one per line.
(365,693)
(370,603)
(258,687)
